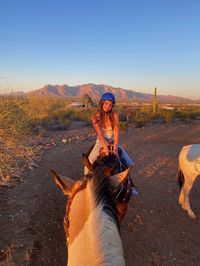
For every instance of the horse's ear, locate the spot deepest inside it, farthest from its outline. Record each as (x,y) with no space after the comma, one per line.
(86,162)
(65,183)
(118,179)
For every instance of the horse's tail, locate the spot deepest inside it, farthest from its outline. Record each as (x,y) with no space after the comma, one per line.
(180,177)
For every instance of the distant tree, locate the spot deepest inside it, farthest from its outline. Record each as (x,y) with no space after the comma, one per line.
(155,105)
(87,100)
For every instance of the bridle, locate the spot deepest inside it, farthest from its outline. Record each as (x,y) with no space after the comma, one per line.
(75,190)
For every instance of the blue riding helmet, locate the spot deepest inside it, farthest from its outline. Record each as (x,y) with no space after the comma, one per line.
(108,96)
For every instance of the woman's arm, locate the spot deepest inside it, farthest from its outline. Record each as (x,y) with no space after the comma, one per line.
(116,132)
(96,125)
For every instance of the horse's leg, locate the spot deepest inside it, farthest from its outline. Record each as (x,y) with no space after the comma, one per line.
(186,204)
(182,198)
(181,181)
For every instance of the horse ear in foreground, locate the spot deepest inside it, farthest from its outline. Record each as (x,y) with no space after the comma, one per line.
(91,222)
(189,170)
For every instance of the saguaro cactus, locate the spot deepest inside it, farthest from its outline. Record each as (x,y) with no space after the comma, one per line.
(155,106)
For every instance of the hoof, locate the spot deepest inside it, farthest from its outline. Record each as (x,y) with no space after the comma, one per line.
(192,215)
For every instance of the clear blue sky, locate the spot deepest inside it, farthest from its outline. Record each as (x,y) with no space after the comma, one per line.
(131,44)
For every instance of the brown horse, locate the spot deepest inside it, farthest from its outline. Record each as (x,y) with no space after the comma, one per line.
(92,218)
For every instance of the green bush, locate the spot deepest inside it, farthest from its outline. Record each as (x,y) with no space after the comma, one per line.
(84,114)
(188,114)
(167,115)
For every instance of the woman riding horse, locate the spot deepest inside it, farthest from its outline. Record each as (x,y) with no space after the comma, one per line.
(106,125)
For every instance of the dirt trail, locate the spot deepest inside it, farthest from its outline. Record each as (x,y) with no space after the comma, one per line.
(155,230)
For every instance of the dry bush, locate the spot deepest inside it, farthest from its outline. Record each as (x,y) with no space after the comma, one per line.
(20,119)
(15,139)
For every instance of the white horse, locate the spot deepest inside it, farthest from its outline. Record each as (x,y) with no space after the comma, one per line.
(91,221)
(189,169)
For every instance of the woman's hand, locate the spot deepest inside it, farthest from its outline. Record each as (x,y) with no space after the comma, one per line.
(106,150)
(115,150)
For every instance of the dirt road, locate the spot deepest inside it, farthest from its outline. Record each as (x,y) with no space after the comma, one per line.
(155,230)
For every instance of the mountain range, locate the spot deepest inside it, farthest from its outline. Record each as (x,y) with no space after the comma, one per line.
(95,92)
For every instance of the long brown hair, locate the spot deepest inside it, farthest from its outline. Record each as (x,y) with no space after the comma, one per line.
(106,115)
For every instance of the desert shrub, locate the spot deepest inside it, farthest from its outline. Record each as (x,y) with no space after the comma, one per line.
(167,115)
(40,107)
(126,113)
(123,126)
(188,114)
(142,117)
(15,150)
(146,109)
(63,114)
(122,112)
(55,107)
(84,114)
(138,117)
(13,119)
(59,118)
(122,117)
(64,117)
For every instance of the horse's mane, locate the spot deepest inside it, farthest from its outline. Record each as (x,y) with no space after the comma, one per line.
(102,186)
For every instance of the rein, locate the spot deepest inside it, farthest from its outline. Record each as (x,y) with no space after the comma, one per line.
(75,190)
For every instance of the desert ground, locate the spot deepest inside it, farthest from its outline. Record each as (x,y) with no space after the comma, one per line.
(155,230)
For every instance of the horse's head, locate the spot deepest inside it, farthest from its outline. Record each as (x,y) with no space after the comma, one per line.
(109,166)
(113,162)
(104,165)
(91,212)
